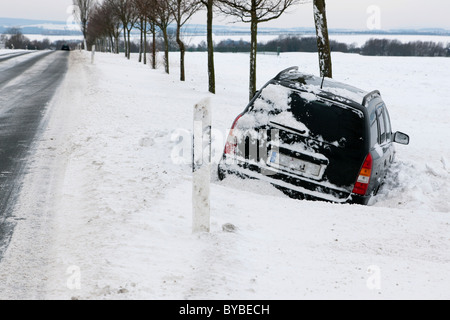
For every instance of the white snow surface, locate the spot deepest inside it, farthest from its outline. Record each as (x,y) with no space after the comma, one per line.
(106,213)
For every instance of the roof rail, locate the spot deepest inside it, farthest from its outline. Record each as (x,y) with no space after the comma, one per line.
(370,96)
(285,71)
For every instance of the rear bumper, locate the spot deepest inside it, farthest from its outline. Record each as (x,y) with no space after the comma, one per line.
(294,186)
(357,199)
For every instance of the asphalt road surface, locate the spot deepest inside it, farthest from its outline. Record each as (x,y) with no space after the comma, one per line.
(27,84)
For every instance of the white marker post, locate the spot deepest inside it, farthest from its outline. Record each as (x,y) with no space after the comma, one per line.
(201,164)
(92,54)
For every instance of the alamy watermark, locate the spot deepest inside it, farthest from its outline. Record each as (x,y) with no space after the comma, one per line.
(71,21)
(252,145)
(74,280)
(374,280)
(374,19)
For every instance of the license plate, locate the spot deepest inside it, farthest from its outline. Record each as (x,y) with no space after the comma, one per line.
(294,164)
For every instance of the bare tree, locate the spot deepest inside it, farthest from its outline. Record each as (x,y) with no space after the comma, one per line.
(147,14)
(154,56)
(182,11)
(112,23)
(96,28)
(323,42)
(82,10)
(126,12)
(152,29)
(142,7)
(209,4)
(142,26)
(255,12)
(163,18)
(104,26)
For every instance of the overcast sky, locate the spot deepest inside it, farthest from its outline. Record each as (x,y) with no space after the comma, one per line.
(354,14)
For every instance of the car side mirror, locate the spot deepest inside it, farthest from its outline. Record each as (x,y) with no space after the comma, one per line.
(401,138)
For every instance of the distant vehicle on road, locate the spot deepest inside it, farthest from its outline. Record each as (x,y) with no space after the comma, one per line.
(65,48)
(313,138)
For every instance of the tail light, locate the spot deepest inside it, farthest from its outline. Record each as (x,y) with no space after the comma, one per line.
(362,183)
(231,144)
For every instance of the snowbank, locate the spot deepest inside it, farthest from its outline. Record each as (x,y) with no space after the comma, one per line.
(114,218)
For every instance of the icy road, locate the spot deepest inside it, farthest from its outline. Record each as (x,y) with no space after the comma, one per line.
(28,81)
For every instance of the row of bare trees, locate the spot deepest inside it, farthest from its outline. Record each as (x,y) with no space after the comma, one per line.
(112,18)
(107,20)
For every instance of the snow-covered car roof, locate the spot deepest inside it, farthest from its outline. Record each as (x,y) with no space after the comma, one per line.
(306,82)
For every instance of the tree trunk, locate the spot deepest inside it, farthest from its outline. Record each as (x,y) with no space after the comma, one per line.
(154,47)
(323,43)
(180,43)
(129,44)
(166,50)
(253,52)
(141,40)
(210,44)
(182,53)
(125,42)
(145,40)
(84,32)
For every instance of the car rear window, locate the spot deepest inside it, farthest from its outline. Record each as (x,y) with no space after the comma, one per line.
(337,124)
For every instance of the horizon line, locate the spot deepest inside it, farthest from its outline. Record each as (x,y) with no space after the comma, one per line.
(367,31)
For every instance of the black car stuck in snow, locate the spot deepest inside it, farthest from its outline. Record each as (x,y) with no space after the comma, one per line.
(314,138)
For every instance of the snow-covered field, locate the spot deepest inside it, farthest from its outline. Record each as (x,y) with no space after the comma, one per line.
(7,52)
(357,39)
(54,38)
(105,211)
